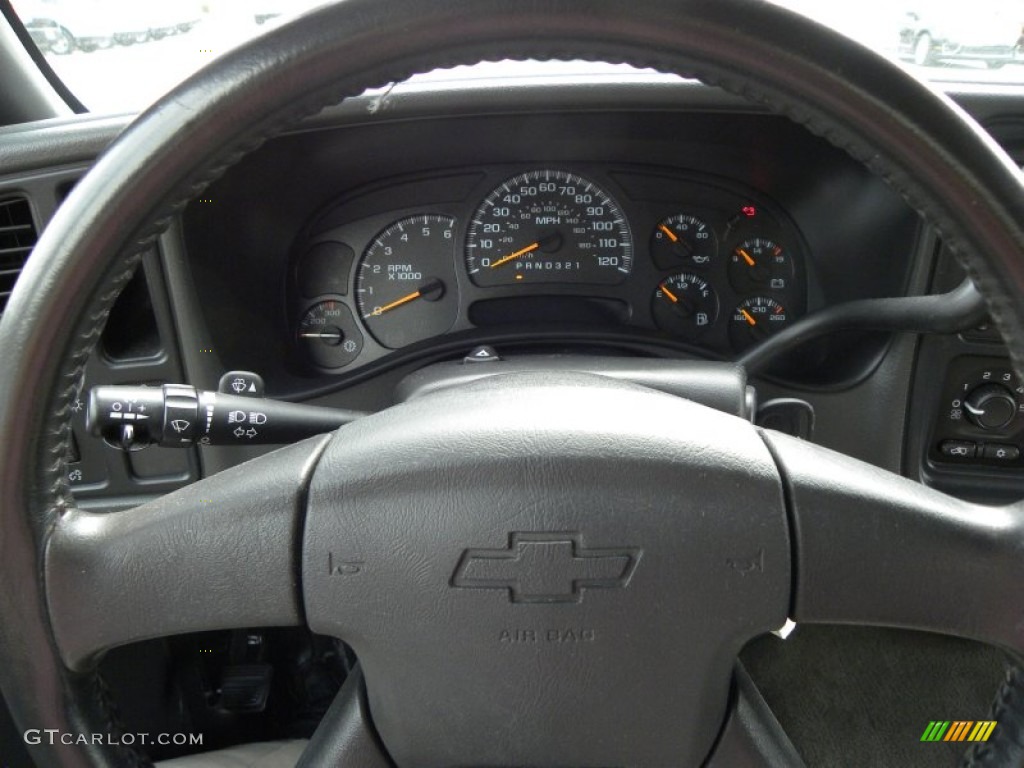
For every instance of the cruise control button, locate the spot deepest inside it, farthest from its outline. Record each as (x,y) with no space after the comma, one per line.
(959,449)
(1001,452)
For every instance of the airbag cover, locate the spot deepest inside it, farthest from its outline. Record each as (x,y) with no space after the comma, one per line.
(547,570)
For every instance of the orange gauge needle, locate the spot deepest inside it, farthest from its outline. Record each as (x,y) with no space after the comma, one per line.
(671,296)
(748,317)
(431,290)
(747,258)
(671,235)
(378,311)
(516,255)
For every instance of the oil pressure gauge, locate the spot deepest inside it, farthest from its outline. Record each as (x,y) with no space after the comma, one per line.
(683,241)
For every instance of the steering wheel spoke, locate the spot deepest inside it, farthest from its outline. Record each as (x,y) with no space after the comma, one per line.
(873,548)
(219,553)
(345,735)
(752,736)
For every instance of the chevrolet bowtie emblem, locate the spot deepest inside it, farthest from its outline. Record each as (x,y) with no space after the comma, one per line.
(545,568)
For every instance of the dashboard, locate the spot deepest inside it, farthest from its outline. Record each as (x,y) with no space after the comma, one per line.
(343,251)
(284,266)
(684,257)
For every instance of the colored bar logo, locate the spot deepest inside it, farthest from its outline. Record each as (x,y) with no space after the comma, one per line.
(958,730)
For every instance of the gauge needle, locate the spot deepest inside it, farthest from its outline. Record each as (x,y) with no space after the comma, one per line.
(748,317)
(550,242)
(671,296)
(671,235)
(378,311)
(320,335)
(431,290)
(747,258)
(522,251)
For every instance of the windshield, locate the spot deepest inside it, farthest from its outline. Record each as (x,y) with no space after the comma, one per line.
(120,55)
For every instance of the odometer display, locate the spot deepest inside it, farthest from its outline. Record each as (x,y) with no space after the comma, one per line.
(548,226)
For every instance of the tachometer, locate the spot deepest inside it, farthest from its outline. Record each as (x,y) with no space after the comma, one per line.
(405,286)
(548,226)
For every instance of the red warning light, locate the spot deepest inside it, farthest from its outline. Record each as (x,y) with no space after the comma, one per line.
(749,211)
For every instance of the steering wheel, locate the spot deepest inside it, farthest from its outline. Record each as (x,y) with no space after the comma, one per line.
(534,569)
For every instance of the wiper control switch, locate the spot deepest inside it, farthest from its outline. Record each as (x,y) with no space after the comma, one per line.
(178,415)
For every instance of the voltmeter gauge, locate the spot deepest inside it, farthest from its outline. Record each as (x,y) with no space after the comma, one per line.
(685,305)
(683,241)
(754,320)
(758,265)
(328,335)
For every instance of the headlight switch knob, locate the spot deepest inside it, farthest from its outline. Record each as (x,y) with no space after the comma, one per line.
(991,406)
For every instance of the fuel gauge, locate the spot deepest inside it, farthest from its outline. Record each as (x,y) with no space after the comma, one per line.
(685,305)
(683,241)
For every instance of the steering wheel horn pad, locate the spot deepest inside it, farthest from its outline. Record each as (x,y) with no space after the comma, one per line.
(502,571)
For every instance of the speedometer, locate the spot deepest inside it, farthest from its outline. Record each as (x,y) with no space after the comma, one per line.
(548,226)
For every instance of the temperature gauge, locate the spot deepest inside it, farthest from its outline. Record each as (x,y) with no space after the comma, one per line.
(755,320)
(328,335)
(685,305)
(683,241)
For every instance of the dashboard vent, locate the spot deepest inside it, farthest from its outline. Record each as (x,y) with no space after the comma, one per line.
(17,236)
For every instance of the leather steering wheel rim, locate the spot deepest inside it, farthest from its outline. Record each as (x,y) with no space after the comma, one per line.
(917,139)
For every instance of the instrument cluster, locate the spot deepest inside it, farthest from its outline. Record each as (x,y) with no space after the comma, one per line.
(671,256)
